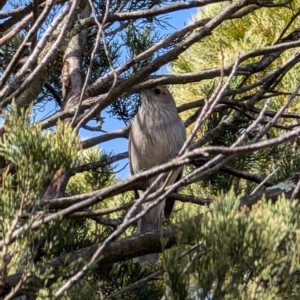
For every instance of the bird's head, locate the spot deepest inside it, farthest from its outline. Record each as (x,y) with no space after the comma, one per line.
(159,95)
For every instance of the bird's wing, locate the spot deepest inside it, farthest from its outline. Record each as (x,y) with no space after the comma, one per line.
(136,194)
(129,150)
(169,204)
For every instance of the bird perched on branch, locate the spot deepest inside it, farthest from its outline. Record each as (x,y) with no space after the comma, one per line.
(157,135)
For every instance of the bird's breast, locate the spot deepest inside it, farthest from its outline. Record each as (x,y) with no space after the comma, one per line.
(155,139)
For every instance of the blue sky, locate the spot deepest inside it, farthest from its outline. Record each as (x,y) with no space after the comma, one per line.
(178,20)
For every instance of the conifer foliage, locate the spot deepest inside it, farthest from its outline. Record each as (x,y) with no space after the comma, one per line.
(67,219)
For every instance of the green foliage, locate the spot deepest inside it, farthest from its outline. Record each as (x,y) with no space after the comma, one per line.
(104,281)
(261,28)
(34,156)
(238,253)
(101,63)
(95,178)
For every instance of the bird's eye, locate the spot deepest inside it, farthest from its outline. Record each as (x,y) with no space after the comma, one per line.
(157,91)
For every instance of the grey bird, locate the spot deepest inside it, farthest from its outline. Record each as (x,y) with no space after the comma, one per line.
(157,134)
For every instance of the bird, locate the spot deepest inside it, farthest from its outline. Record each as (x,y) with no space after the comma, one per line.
(157,134)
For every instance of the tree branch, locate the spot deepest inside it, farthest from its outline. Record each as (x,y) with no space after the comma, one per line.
(121,250)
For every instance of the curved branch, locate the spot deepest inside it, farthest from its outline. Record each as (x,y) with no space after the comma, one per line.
(104,161)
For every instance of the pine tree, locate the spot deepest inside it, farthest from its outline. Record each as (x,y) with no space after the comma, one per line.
(67,225)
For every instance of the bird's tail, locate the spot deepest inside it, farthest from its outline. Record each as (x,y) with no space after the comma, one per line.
(144,226)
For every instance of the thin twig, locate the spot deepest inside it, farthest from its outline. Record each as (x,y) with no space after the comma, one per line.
(263,182)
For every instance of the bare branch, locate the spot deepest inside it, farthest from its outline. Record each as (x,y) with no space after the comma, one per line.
(104,161)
